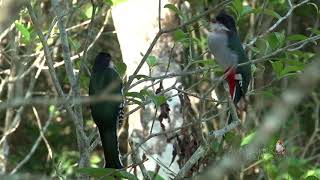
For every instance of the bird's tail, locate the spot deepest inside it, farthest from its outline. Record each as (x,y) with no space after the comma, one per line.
(110,146)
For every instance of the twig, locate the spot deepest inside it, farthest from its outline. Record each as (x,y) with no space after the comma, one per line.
(136,159)
(59,101)
(316,126)
(199,153)
(275,25)
(34,147)
(41,132)
(264,58)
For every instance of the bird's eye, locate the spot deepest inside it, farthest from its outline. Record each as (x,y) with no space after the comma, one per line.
(213,20)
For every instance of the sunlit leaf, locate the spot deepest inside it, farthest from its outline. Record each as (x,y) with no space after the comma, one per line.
(246,140)
(117,2)
(151,61)
(88,11)
(267,156)
(312,173)
(173,8)
(24,31)
(94,159)
(158,100)
(277,67)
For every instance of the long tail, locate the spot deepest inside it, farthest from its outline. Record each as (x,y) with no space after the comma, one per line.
(110,147)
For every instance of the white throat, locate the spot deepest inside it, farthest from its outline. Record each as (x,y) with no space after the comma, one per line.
(218,27)
(218,46)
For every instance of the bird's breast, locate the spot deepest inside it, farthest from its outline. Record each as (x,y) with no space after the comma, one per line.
(218,46)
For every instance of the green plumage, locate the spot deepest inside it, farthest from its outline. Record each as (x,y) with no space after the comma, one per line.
(235,45)
(105,79)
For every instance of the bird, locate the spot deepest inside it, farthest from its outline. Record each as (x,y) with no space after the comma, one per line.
(106,114)
(224,43)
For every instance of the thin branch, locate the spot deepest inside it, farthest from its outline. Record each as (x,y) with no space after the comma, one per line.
(34,147)
(159,15)
(275,25)
(41,132)
(136,159)
(59,101)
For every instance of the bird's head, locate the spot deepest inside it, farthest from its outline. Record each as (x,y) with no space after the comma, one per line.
(104,59)
(223,23)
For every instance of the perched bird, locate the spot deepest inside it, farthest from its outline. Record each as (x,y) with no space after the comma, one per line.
(106,114)
(224,43)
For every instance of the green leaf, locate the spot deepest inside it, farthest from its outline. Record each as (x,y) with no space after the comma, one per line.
(316,31)
(151,61)
(246,140)
(157,177)
(158,100)
(179,35)
(135,101)
(237,7)
(281,38)
(312,178)
(108,2)
(312,173)
(24,31)
(117,2)
(276,40)
(145,92)
(246,10)
(277,67)
(106,172)
(74,43)
(52,108)
(135,94)
(267,156)
(88,11)
(94,159)
(121,68)
(296,37)
(290,69)
(173,8)
(215,146)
